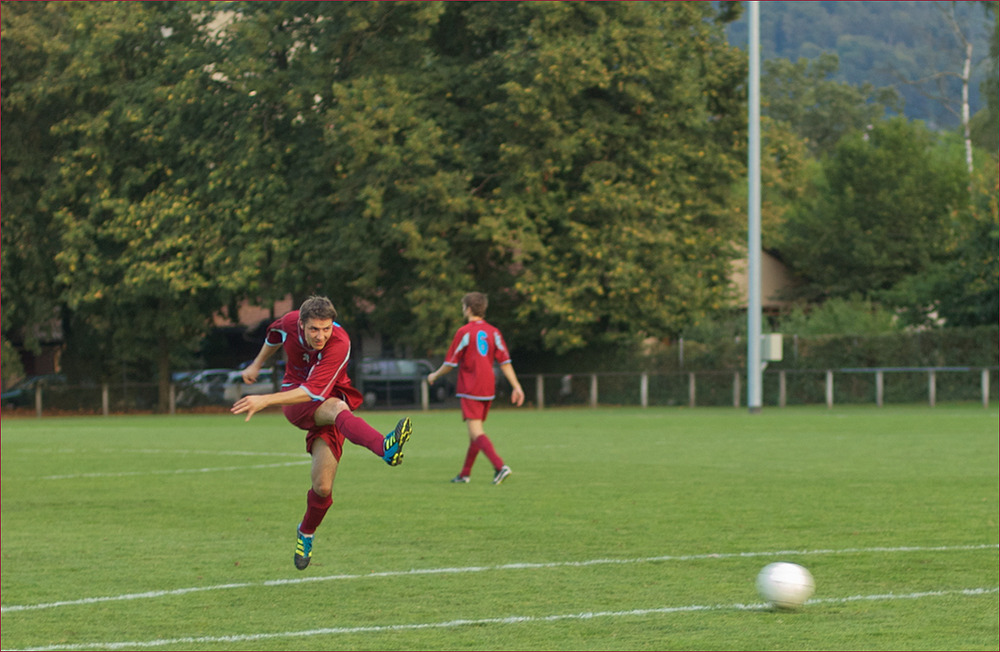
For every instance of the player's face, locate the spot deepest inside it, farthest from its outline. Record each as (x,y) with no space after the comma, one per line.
(317,332)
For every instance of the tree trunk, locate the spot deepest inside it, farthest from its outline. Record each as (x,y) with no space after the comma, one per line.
(966,70)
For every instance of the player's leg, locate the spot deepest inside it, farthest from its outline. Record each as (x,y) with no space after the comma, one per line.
(477,434)
(318,500)
(474,427)
(356,430)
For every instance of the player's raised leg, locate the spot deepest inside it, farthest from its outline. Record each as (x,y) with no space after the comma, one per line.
(357,431)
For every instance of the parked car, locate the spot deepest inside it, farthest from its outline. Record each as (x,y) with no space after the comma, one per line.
(204,387)
(235,388)
(391,381)
(23,393)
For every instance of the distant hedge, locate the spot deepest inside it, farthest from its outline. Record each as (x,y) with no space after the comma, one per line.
(951,347)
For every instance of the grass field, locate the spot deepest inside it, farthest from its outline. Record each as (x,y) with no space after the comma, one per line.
(621,528)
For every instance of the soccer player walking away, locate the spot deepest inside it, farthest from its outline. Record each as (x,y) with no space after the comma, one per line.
(474,349)
(317,396)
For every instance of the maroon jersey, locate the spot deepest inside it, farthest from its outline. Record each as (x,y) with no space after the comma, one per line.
(321,372)
(475,348)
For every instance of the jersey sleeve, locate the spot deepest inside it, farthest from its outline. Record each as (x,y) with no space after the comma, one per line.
(277,332)
(500,353)
(458,345)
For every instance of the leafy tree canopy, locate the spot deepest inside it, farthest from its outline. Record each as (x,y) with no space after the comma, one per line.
(884,208)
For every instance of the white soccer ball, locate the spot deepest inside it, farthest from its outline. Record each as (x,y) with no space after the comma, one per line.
(785,585)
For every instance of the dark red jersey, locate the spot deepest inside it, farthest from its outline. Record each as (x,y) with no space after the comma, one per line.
(475,348)
(321,372)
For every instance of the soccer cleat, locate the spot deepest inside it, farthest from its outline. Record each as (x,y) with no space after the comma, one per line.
(501,475)
(460,478)
(303,549)
(393,445)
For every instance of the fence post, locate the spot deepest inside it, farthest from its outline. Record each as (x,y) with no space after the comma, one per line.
(782,389)
(425,395)
(593,390)
(691,389)
(736,389)
(644,390)
(984,382)
(879,387)
(105,400)
(540,391)
(829,388)
(38,400)
(931,387)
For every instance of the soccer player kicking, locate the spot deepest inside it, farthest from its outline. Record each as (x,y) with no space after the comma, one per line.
(474,349)
(317,396)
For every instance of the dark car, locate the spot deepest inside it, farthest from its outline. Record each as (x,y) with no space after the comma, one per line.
(390,381)
(23,393)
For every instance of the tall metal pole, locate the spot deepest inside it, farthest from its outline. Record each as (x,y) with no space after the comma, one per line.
(754,369)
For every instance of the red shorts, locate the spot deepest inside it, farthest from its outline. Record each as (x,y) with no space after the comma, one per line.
(303,415)
(473,409)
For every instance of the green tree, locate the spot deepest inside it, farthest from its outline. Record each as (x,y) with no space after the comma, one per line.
(805,96)
(574,160)
(339,128)
(985,124)
(604,138)
(144,255)
(32,37)
(883,209)
(840,316)
(962,289)
(550,155)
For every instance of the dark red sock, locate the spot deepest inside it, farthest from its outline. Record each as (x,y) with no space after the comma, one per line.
(486,446)
(316,507)
(357,431)
(470,457)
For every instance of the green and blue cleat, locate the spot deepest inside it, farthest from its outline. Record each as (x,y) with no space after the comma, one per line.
(303,549)
(393,446)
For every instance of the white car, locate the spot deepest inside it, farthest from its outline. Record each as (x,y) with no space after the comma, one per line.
(203,387)
(235,388)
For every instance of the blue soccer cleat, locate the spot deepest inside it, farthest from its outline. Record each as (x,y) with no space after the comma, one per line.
(303,549)
(393,445)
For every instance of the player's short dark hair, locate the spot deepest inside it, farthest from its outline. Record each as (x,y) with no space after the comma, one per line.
(476,302)
(319,308)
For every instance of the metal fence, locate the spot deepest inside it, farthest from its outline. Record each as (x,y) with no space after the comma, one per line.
(879,386)
(780,388)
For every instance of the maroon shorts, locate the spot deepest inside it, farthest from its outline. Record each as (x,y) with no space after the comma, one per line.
(473,409)
(303,415)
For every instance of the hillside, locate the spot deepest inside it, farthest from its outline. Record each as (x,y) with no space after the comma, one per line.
(879,42)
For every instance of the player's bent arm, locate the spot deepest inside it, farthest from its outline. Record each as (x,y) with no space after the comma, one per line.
(252,371)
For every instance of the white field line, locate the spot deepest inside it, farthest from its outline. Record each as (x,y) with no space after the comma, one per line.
(159,451)
(502,620)
(481,569)
(207,469)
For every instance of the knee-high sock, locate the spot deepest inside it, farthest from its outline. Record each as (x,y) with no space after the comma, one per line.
(357,431)
(470,457)
(486,446)
(316,507)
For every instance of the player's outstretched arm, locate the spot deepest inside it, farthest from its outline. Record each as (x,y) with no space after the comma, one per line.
(254,403)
